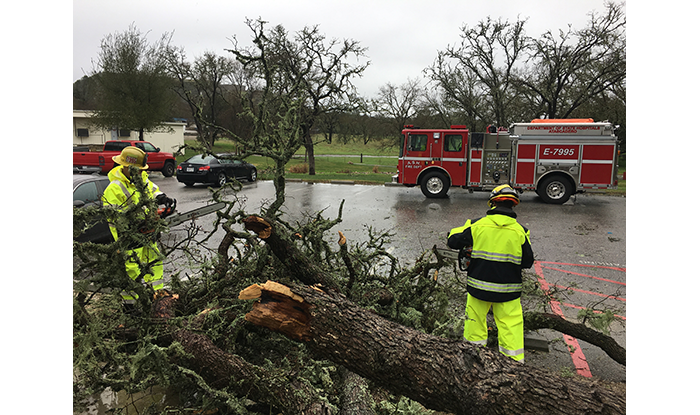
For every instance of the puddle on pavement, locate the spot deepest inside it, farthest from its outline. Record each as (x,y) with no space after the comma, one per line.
(107,401)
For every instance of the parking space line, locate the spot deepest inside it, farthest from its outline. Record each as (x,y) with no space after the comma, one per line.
(612,297)
(585,265)
(588,276)
(578,307)
(577,356)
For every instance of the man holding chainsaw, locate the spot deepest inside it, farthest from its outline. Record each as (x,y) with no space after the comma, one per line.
(500,249)
(123,193)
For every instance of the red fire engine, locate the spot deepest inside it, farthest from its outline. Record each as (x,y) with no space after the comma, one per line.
(554,157)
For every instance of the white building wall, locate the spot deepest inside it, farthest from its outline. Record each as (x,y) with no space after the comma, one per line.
(167,141)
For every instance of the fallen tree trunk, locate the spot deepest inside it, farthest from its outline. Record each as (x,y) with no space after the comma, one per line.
(221,370)
(442,374)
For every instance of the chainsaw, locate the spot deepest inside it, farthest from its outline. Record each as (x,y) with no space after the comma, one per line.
(171,218)
(463,256)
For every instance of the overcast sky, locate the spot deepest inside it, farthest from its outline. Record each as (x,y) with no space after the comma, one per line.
(402,37)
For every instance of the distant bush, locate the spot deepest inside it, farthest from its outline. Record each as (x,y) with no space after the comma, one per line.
(299,168)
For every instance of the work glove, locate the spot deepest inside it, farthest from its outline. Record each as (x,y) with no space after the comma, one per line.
(169,203)
(162,199)
(464,258)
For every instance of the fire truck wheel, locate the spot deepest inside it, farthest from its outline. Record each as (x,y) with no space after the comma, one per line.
(435,185)
(555,189)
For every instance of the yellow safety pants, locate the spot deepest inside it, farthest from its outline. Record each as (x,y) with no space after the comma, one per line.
(509,321)
(145,254)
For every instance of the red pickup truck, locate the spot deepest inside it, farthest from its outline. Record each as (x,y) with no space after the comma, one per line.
(101,161)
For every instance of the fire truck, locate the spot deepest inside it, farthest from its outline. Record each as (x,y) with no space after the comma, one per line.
(554,157)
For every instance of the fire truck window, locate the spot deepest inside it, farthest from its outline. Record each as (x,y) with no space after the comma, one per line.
(453,142)
(417,142)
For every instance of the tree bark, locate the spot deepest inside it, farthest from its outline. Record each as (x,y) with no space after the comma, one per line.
(309,146)
(356,398)
(301,267)
(224,370)
(441,374)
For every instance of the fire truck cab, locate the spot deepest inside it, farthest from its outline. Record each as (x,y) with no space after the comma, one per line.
(554,157)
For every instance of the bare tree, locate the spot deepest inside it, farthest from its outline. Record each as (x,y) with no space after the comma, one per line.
(399,104)
(574,66)
(276,111)
(479,72)
(202,85)
(328,78)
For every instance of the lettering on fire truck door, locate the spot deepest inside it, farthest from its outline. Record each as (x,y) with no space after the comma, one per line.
(559,153)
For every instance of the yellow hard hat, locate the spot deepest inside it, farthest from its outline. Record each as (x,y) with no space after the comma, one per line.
(502,193)
(132,156)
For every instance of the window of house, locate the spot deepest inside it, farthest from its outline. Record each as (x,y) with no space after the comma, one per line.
(83,132)
(124,133)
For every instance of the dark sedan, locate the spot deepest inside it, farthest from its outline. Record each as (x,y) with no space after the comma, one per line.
(87,191)
(217,170)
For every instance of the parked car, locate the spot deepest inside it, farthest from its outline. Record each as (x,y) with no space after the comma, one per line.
(86,160)
(219,169)
(87,191)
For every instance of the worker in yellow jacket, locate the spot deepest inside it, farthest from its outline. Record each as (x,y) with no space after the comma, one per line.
(500,249)
(123,193)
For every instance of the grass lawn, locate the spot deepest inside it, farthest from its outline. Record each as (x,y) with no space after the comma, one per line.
(355,161)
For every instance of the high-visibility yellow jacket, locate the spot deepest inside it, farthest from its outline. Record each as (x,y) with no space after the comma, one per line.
(121,192)
(500,250)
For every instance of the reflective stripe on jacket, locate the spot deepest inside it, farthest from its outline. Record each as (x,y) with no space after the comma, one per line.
(121,192)
(500,249)
(498,238)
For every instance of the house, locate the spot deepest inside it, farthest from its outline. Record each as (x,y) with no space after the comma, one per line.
(84,134)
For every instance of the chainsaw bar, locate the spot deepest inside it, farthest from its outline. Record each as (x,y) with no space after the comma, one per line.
(448,253)
(179,218)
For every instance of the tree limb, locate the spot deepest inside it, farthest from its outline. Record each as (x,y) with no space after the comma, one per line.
(535,321)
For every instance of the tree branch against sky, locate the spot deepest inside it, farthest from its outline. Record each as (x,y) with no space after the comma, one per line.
(489,53)
(276,110)
(575,66)
(202,86)
(329,79)
(399,104)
